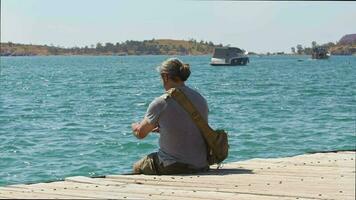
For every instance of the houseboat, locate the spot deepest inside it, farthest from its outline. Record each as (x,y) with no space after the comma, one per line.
(320,53)
(228,56)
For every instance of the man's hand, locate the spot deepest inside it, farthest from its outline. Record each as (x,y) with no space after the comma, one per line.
(135,126)
(142,129)
(156,129)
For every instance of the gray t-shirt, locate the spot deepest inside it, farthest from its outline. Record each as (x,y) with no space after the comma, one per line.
(180,140)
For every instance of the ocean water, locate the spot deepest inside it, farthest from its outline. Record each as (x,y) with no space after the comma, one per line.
(65,116)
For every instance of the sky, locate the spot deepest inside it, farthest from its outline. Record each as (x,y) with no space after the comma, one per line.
(256,26)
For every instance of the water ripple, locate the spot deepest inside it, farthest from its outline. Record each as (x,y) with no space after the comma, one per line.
(65,116)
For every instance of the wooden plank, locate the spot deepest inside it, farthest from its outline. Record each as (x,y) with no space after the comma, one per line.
(87,180)
(310,161)
(344,163)
(99,191)
(242,180)
(316,156)
(174,193)
(315,159)
(77,192)
(178,190)
(286,188)
(21,193)
(292,171)
(220,188)
(306,162)
(334,181)
(246,179)
(243,177)
(256,167)
(347,166)
(311,176)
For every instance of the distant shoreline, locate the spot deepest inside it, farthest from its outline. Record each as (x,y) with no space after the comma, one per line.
(167,47)
(36,55)
(104,55)
(146,47)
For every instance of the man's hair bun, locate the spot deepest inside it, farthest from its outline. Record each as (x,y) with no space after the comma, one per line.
(175,68)
(184,71)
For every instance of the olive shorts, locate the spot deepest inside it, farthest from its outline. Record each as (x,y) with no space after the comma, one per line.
(150,165)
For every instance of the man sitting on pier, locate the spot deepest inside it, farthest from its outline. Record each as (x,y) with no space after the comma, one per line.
(182,146)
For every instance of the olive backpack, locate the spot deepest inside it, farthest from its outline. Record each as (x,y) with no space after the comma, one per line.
(216,140)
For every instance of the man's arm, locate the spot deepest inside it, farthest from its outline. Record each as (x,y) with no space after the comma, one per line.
(142,129)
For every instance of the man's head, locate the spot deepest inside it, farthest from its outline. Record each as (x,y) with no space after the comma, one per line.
(173,72)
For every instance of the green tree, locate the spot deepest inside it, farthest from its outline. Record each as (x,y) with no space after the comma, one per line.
(293,50)
(299,49)
(99,47)
(109,47)
(86,50)
(314,44)
(307,51)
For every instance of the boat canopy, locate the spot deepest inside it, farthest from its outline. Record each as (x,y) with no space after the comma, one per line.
(226,52)
(319,50)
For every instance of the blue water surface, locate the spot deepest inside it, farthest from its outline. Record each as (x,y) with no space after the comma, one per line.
(63,116)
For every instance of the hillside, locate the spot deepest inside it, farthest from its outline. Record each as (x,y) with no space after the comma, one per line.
(345,46)
(348,39)
(10,49)
(343,49)
(130,47)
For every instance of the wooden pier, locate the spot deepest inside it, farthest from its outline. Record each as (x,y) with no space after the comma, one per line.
(310,176)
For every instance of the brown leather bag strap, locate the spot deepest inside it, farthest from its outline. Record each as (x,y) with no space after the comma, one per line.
(197,118)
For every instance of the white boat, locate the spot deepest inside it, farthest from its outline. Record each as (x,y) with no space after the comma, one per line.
(228,56)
